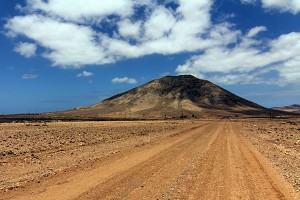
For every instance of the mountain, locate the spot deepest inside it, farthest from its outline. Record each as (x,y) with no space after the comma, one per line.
(171,97)
(295,108)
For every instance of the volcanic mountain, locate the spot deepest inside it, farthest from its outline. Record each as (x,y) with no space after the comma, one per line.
(171,97)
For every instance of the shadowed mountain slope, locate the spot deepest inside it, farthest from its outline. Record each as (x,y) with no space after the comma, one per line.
(295,108)
(172,96)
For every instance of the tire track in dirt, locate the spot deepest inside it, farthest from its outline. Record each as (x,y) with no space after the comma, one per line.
(155,177)
(233,169)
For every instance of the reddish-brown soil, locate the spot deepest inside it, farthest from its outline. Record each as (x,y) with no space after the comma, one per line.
(145,160)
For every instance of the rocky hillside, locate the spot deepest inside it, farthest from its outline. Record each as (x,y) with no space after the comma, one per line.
(172,97)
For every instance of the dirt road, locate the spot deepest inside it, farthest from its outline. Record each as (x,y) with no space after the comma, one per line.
(212,161)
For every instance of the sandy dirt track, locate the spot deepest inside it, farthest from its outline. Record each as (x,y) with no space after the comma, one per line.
(211,161)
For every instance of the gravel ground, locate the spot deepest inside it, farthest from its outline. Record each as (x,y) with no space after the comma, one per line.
(279,141)
(30,151)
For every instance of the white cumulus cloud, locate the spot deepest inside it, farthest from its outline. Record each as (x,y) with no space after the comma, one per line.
(159,24)
(81,10)
(84,74)
(26,49)
(124,80)
(76,42)
(74,34)
(129,29)
(69,46)
(233,65)
(292,6)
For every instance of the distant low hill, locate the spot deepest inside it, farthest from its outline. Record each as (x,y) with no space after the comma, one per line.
(171,97)
(295,108)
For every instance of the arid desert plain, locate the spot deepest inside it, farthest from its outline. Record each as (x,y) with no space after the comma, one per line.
(163,159)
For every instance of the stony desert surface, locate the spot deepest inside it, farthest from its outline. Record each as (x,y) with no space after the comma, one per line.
(279,141)
(30,151)
(168,159)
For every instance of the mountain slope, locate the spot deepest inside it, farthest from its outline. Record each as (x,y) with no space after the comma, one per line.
(172,96)
(295,108)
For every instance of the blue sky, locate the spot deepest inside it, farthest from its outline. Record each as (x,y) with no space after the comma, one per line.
(61,54)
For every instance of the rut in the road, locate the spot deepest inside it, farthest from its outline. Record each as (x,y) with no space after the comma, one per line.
(232,169)
(159,176)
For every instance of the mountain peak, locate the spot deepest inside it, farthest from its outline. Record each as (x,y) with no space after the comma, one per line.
(181,78)
(184,76)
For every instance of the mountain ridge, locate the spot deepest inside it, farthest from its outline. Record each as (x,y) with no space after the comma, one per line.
(294,108)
